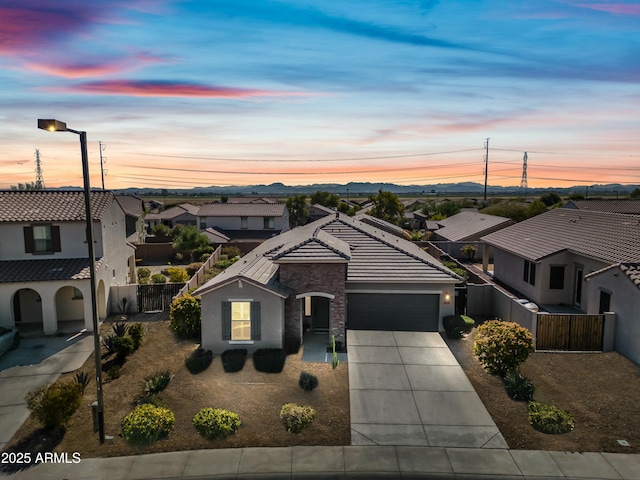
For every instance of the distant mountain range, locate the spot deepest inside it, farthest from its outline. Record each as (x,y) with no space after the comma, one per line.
(365,188)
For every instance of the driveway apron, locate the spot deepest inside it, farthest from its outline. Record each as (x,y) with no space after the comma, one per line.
(407,388)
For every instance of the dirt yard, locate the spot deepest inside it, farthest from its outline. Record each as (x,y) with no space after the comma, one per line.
(255,396)
(600,390)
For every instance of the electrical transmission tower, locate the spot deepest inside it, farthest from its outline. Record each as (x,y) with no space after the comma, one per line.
(523,182)
(39,180)
(102,160)
(486,167)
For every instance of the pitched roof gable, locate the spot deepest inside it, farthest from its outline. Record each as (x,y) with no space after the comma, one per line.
(242,210)
(625,205)
(630,269)
(319,247)
(51,205)
(609,237)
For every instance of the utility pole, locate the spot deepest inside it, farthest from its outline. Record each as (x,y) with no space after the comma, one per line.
(486,167)
(39,179)
(523,183)
(102,148)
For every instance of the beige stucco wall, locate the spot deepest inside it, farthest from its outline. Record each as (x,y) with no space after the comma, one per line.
(271,316)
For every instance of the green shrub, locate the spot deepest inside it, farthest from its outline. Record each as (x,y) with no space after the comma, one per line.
(177,275)
(296,418)
(216,423)
(157,382)
(161,230)
(233,359)
(457,326)
(502,346)
(53,405)
(158,278)
(120,329)
(147,423)
(136,332)
(231,251)
(185,316)
(549,419)
(198,360)
(204,257)
(123,347)
(307,381)
(113,372)
(518,386)
(200,252)
(143,281)
(154,400)
(269,360)
(107,343)
(178,257)
(82,379)
(222,264)
(143,274)
(192,268)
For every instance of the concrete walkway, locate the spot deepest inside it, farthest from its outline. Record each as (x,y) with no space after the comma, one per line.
(362,462)
(407,388)
(38,361)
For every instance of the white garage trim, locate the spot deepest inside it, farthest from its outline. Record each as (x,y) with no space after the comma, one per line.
(315,294)
(400,292)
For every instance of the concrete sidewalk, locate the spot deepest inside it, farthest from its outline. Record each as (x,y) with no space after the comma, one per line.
(16,382)
(380,462)
(407,388)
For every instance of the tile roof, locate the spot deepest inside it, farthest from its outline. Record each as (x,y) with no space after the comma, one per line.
(320,247)
(375,256)
(470,225)
(382,225)
(131,204)
(242,210)
(630,269)
(51,205)
(609,237)
(21,271)
(215,236)
(252,200)
(625,205)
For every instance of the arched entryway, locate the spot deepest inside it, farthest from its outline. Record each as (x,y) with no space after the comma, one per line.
(27,308)
(315,311)
(69,304)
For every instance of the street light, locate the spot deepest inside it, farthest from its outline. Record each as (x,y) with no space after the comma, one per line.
(57,126)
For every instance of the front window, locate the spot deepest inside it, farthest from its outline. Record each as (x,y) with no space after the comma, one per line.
(556,277)
(269,223)
(42,239)
(244,223)
(240,320)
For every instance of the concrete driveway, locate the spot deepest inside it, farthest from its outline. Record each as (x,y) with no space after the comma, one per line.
(407,388)
(36,362)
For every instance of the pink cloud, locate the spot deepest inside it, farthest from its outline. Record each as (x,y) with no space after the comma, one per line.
(614,8)
(172,89)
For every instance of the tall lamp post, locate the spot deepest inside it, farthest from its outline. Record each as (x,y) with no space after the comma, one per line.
(57,126)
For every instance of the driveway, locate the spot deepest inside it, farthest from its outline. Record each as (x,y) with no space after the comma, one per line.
(38,361)
(407,388)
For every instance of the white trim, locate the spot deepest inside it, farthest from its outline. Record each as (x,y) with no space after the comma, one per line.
(315,294)
(240,299)
(241,342)
(403,292)
(404,282)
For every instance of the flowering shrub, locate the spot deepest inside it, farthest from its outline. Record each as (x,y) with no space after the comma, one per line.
(177,274)
(147,423)
(502,346)
(296,418)
(53,405)
(549,419)
(216,423)
(185,316)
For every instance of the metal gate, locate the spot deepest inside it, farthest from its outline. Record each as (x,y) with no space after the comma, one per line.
(157,297)
(570,332)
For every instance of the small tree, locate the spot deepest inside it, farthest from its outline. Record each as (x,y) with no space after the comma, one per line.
(298,211)
(502,346)
(469,250)
(190,239)
(185,316)
(326,199)
(387,207)
(635,193)
(160,230)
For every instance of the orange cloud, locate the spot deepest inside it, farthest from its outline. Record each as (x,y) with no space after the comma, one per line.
(96,68)
(143,88)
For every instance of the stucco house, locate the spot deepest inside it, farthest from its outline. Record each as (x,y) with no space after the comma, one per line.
(570,260)
(44,266)
(183,214)
(469,226)
(245,221)
(331,275)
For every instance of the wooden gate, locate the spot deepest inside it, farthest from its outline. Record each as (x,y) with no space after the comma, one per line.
(570,332)
(157,297)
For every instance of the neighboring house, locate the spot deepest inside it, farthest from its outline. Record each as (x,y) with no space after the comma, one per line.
(133,207)
(383,225)
(317,211)
(183,214)
(215,237)
(244,221)
(549,257)
(334,274)
(626,205)
(616,288)
(252,200)
(469,226)
(44,265)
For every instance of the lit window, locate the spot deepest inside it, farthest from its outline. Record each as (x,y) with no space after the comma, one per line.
(240,320)
(307,306)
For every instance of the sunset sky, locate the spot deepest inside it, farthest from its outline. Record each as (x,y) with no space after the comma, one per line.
(239,92)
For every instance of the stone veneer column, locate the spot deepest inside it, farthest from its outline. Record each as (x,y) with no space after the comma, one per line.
(315,277)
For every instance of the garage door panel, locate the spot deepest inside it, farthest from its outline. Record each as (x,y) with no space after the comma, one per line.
(402,312)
